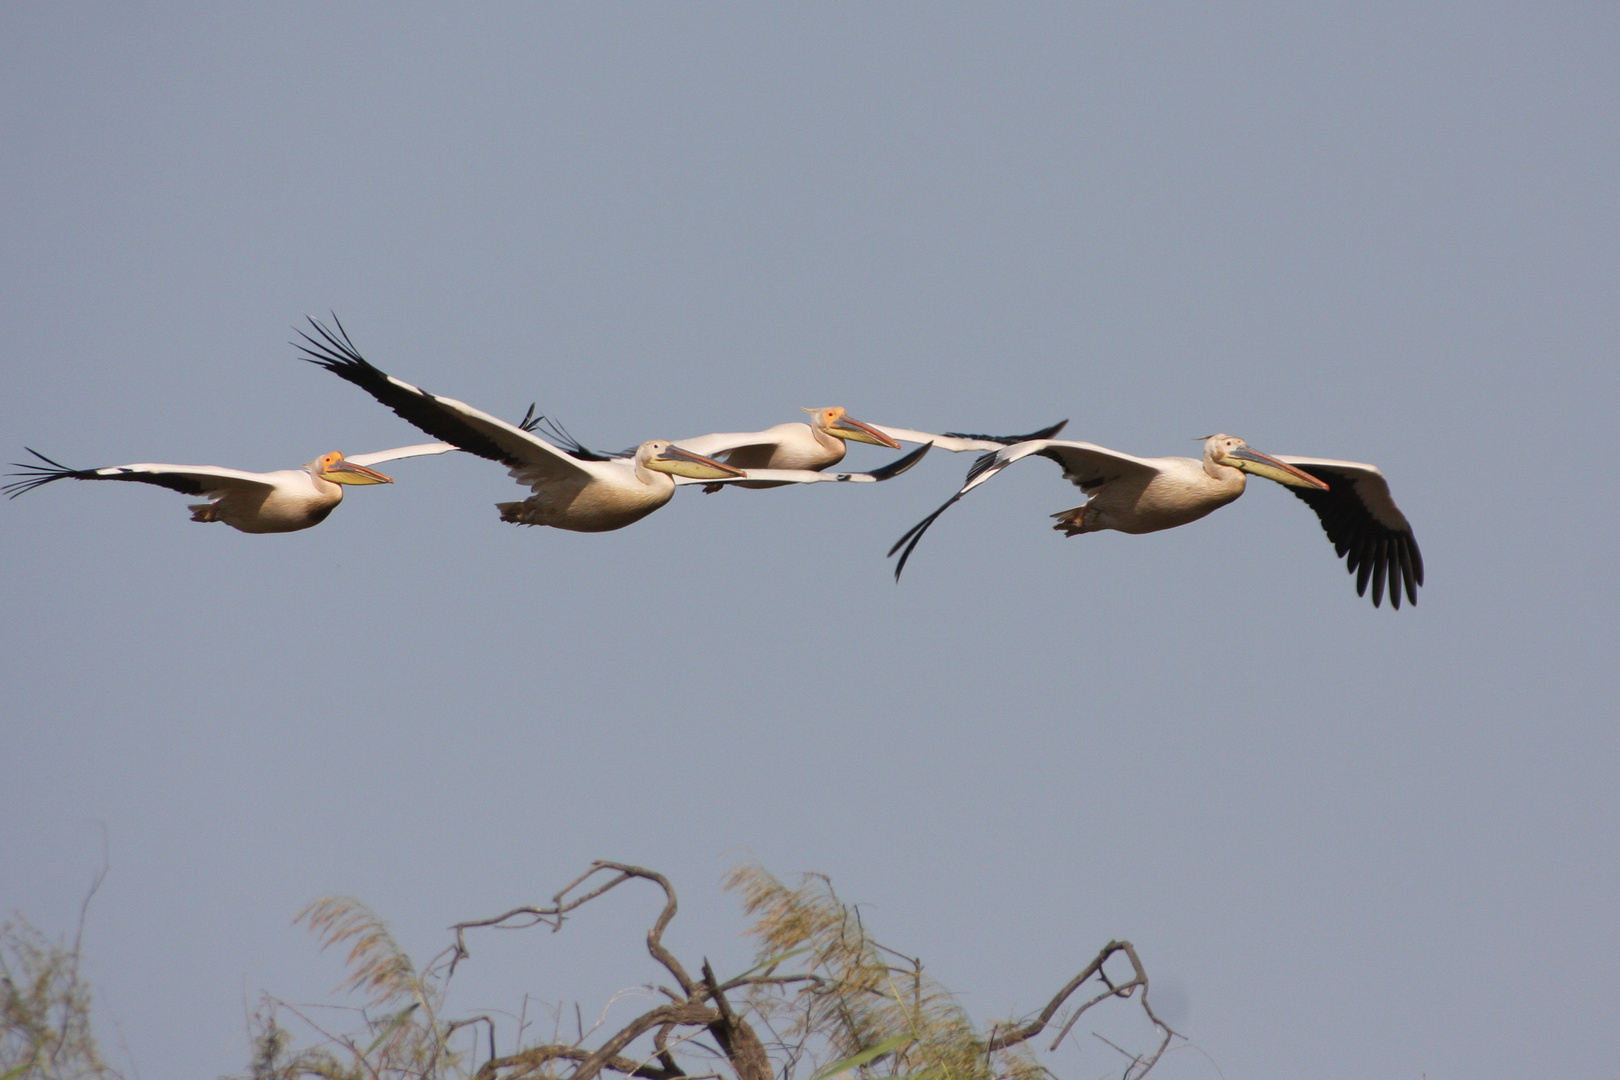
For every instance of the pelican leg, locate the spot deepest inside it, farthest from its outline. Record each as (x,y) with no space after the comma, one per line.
(202,512)
(1072,522)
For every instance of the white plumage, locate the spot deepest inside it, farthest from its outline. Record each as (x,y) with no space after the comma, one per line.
(821,443)
(274,502)
(1141,495)
(571,487)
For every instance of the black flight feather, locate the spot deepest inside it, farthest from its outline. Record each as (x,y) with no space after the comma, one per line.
(337,354)
(1372,551)
(1008,440)
(39,475)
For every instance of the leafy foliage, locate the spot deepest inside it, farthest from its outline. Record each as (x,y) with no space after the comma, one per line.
(400,1036)
(45,1029)
(833,1003)
(864,996)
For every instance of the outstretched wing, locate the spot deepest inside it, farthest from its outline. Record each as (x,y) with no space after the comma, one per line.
(419,450)
(1088,466)
(1084,464)
(554,433)
(530,458)
(751,444)
(957,441)
(1367,529)
(198,480)
(808,476)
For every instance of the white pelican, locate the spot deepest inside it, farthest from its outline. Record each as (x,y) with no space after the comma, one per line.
(573,488)
(820,444)
(1142,495)
(274,502)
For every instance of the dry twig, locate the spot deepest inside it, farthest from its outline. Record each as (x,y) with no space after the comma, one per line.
(833,1001)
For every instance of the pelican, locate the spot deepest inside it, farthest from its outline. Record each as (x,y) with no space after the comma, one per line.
(572,487)
(1143,495)
(821,443)
(274,502)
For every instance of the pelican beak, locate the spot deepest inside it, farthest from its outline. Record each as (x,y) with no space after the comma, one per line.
(852,430)
(678,462)
(1253,461)
(347,472)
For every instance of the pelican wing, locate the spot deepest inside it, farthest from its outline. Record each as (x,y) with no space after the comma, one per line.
(722,442)
(807,476)
(1366,527)
(419,450)
(187,479)
(1084,464)
(954,441)
(957,441)
(530,458)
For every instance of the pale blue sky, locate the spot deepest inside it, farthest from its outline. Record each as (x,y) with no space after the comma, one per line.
(1348,842)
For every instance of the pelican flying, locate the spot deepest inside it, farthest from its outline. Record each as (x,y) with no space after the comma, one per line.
(1143,495)
(573,488)
(274,502)
(821,443)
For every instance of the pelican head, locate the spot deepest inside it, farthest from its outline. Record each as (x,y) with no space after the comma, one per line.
(836,422)
(334,468)
(664,456)
(1234,453)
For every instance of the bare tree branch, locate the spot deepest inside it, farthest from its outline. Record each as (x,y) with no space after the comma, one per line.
(848,1005)
(655,936)
(537,1056)
(456,1025)
(741,1045)
(1139,978)
(553,916)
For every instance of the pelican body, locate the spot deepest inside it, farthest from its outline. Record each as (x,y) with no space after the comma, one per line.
(286,500)
(600,496)
(573,488)
(818,445)
(821,443)
(1142,495)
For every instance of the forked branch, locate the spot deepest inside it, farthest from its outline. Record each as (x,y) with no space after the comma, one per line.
(850,1005)
(703,1005)
(522,918)
(1139,1066)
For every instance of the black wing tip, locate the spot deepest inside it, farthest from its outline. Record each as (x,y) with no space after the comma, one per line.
(52,462)
(1009,440)
(900,567)
(38,475)
(34,480)
(981,464)
(549,429)
(911,540)
(336,352)
(914,534)
(1044,433)
(1390,561)
(901,464)
(1376,554)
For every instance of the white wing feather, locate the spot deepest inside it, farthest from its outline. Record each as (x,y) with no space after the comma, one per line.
(210,478)
(419,450)
(952,443)
(1083,464)
(790,476)
(721,442)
